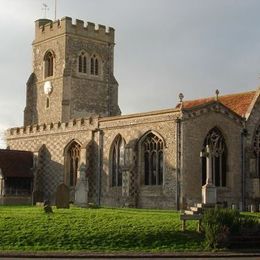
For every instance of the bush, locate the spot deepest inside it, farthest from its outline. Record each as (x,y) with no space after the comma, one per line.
(218,224)
(249,225)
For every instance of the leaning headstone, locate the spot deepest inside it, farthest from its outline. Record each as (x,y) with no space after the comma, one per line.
(47,207)
(81,189)
(63,197)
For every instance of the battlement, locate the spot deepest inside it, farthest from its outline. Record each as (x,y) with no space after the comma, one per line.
(90,123)
(45,29)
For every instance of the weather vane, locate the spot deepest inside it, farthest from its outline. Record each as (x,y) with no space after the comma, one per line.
(45,8)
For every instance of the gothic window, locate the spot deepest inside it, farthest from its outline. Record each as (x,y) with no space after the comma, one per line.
(94,65)
(117,160)
(82,62)
(152,149)
(73,156)
(218,156)
(48,64)
(256,147)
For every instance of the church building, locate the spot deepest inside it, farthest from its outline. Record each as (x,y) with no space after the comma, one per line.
(205,150)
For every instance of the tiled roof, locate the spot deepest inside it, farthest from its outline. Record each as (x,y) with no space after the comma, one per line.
(16,163)
(239,103)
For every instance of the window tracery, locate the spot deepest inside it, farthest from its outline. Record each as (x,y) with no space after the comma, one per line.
(218,155)
(152,148)
(73,155)
(94,65)
(82,62)
(118,152)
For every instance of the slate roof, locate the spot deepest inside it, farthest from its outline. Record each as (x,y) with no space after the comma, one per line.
(16,163)
(239,103)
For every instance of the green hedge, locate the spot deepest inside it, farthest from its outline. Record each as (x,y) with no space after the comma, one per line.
(219,224)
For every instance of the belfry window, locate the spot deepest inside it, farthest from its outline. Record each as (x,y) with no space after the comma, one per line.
(117,160)
(152,149)
(256,148)
(73,156)
(48,64)
(94,65)
(217,153)
(82,63)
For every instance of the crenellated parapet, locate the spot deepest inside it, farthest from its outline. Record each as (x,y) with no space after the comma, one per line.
(45,29)
(90,123)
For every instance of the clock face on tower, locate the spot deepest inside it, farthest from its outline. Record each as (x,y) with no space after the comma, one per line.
(47,88)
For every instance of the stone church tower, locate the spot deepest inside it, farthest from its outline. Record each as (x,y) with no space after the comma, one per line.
(72,72)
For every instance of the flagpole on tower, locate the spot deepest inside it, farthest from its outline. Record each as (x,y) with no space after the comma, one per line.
(55,10)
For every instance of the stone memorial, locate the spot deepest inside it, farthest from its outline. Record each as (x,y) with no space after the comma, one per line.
(62,197)
(209,191)
(81,190)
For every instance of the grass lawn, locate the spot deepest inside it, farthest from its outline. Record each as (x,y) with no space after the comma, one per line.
(102,230)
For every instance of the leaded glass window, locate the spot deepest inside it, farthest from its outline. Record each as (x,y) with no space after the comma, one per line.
(117,160)
(73,159)
(94,65)
(152,148)
(48,64)
(218,151)
(82,62)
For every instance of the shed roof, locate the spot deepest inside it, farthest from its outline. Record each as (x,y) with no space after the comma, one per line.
(16,164)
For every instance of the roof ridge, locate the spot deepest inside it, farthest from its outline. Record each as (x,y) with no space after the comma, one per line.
(221,96)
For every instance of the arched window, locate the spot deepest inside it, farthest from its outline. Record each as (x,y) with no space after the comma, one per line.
(47,102)
(94,65)
(152,154)
(48,64)
(73,157)
(218,156)
(82,62)
(256,148)
(117,160)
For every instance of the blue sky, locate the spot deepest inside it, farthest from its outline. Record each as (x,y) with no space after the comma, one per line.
(163,47)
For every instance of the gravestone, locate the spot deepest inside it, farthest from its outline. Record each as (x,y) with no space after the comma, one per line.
(81,189)
(62,197)
(47,207)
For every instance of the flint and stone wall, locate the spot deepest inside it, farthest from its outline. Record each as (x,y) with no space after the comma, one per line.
(252,183)
(195,127)
(49,142)
(74,94)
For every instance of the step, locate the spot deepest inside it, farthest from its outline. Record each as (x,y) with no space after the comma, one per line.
(189,212)
(199,205)
(196,209)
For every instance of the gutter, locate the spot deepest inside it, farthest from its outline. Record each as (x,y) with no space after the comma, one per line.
(99,165)
(178,159)
(242,136)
